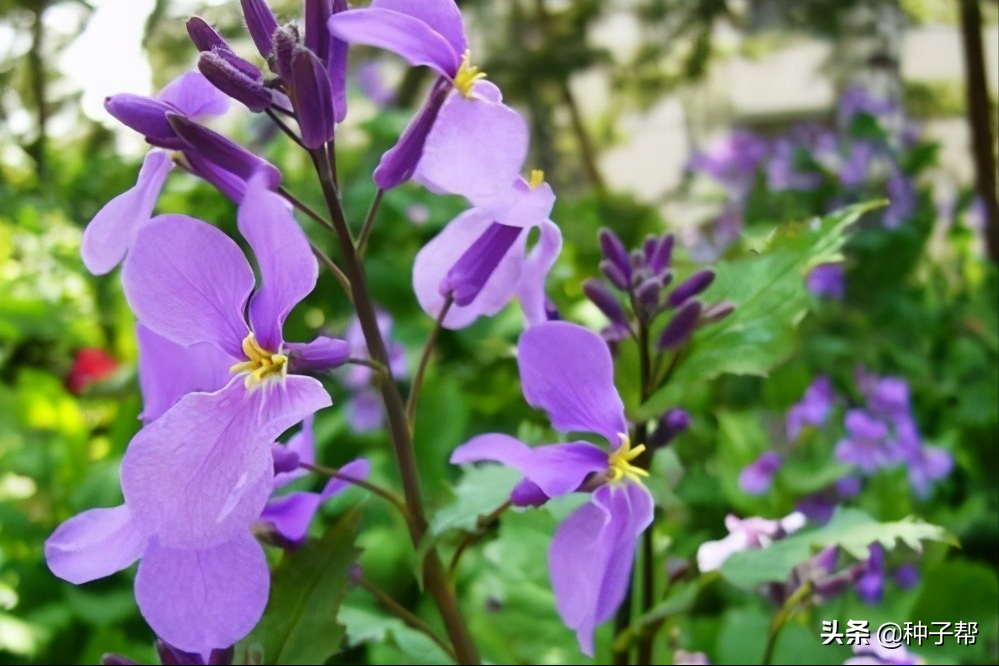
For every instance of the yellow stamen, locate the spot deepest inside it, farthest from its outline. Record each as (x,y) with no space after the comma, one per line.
(537,178)
(467,76)
(260,364)
(620,466)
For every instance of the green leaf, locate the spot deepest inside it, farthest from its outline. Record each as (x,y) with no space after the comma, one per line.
(769,292)
(300,626)
(850,529)
(366,626)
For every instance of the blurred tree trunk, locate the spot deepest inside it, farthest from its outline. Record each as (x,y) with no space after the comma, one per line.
(980,118)
(37,82)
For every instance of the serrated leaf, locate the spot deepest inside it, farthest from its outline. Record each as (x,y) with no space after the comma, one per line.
(300,625)
(366,626)
(850,529)
(770,297)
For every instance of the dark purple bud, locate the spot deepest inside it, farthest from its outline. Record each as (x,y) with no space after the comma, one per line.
(527,493)
(317,35)
(399,162)
(614,274)
(682,326)
(827,559)
(321,355)
(474,268)
(551,310)
(336,66)
(833,586)
(906,576)
(718,311)
(356,574)
(691,287)
(234,83)
(286,41)
(672,424)
(146,116)
(614,251)
(639,275)
(244,66)
(117,660)
(663,255)
(313,98)
(636,258)
(225,182)
(261,24)
(649,247)
(171,656)
(285,460)
(648,292)
(220,657)
(605,300)
(204,36)
(222,152)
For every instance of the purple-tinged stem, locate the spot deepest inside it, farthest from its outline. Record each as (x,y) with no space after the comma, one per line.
(428,349)
(369,223)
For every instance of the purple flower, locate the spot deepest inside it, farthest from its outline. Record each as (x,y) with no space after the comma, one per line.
(812,410)
(857,100)
(567,371)
(480,259)
(732,161)
(819,507)
(111,232)
(464,133)
(756,477)
(853,171)
(902,200)
(691,658)
(371,83)
(745,534)
(926,465)
(827,281)
(867,444)
(782,170)
(288,516)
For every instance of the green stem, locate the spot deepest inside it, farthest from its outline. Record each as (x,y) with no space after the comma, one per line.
(434,575)
(404,614)
(369,223)
(428,349)
(332,268)
(283,126)
(360,483)
(800,595)
(300,205)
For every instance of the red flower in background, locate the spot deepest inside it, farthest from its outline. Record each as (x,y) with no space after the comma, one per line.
(91,365)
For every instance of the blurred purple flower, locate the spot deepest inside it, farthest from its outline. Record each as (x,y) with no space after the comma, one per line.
(756,478)
(902,205)
(876,654)
(364,408)
(812,410)
(827,281)
(733,161)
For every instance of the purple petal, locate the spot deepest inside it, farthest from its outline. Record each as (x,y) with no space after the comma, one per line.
(756,477)
(168,371)
(336,67)
(110,233)
(438,257)
(279,405)
(466,278)
(476,149)
(442,16)
(292,514)
(591,556)
(712,554)
(567,370)
(204,36)
(364,412)
(146,116)
(194,96)
(288,269)
(188,282)
(557,469)
(400,161)
(201,473)
(223,152)
(531,290)
(527,493)
(94,544)
(224,181)
(200,599)
(407,36)
(301,448)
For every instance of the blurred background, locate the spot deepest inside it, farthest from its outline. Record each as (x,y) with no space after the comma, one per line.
(714,119)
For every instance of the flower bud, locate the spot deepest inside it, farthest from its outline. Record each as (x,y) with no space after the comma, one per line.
(261,24)
(672,424)
(117,660)
(474,268)
(225,182)
(285,460)
(602,297)
(648,292)
(717,312)
(691,287)
(321,355)
(527,493)
(399,162)
(663,255)
(614,274)
(682,326)
(222,152)
(233,82)
(313,98)
(146,116)
(171,656)
(204,36)
(286,41)
(614,251)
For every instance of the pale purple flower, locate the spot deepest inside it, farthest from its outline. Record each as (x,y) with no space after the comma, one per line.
(902,200)
(783,172)
(867,444)
(857,100)
(690,658)
(757,477)
(463,122)
(819,507)
(371,82)
(812,410)
(111,232)
(481,261)
(745,534)
(567,371)
(854,170)
(827,281)
(732,161)
(927,465)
